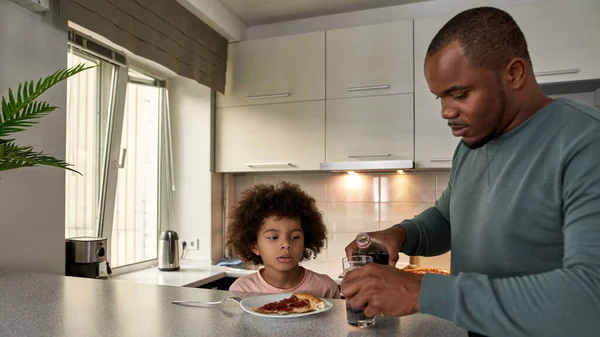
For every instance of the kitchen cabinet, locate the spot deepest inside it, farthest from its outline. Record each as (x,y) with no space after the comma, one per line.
(275,70)
(220,284)
(370,128)
(272,137)
(562,38)
(370,60)
(563,45)
(434,142)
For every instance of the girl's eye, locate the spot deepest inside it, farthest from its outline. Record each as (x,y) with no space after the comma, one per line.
(295,237)
(272,238)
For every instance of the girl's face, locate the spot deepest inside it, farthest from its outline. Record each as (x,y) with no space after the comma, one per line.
(280,243)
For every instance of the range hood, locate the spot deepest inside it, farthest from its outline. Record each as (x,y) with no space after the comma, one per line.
(368,165)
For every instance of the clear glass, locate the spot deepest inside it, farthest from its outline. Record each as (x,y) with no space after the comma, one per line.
(135,221)
(356,317)
(86,142)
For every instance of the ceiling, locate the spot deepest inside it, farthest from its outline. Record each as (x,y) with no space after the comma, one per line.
(260,12)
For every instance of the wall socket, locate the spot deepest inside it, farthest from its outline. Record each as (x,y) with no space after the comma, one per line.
(191,243)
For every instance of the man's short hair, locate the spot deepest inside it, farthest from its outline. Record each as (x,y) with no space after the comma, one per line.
(490,37)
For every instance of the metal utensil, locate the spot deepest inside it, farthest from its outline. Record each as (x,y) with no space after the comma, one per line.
(206,303)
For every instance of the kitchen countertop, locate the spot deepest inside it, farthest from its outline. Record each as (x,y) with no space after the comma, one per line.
(50,305)
(195,273)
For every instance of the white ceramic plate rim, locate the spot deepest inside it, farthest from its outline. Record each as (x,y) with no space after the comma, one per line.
(249,303)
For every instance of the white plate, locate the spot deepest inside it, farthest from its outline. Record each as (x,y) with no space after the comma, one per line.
(250,303)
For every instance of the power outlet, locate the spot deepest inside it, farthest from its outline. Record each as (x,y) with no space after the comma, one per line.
(191,243)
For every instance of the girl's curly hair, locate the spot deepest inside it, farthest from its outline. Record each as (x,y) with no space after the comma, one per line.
(283,200)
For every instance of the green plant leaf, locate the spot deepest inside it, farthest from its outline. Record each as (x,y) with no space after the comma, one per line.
(13,156)
(22,112)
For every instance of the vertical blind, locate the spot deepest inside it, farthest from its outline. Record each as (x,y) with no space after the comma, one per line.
(160,30)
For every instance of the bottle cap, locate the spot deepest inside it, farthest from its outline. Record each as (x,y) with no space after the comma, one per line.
(363,240)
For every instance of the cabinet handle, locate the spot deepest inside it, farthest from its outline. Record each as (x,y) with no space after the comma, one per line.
(557,72)
(369,87)
(254,165)
(369,155)
(439,160)
(287,94)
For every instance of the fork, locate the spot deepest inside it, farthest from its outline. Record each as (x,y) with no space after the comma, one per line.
(208,303)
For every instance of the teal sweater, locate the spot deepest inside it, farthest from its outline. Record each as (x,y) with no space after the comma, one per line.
(522,216)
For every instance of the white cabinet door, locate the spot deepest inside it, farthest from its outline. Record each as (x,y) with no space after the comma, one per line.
(434,143)
(370,60)
(281,69)
(273,137)
(562,38)
(370,128)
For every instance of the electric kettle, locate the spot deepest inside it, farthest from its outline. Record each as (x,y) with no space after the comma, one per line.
(168,251)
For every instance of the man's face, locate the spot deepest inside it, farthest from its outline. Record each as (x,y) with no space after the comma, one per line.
(473,99)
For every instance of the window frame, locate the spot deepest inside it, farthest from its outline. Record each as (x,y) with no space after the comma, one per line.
(93,50)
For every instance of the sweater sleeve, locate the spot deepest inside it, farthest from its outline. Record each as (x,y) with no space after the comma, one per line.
(428,234)
(560,302)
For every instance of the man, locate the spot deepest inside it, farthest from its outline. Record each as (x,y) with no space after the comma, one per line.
(522,208)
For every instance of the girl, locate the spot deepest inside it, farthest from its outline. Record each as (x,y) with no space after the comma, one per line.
(278,227)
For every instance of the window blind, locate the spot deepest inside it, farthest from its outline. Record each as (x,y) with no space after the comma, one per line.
(160,30)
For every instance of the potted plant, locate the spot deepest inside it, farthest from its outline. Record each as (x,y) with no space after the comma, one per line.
(21,111)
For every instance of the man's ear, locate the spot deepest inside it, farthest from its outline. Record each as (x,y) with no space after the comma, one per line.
(516,73)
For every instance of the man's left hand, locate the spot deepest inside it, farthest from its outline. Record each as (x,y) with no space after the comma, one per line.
(382,290)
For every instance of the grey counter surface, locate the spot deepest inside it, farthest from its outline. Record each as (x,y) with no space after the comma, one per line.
(49,305)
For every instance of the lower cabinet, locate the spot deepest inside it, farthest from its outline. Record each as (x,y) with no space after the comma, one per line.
(272,137)
(220,284)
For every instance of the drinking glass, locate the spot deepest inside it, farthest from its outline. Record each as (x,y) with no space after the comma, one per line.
(356,317)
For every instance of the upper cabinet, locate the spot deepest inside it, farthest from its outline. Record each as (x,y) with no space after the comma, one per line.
(272,137)
(563,45)
(275,70)
(370,128)
(370,60)
(434,142)
(347,94)
(562,38)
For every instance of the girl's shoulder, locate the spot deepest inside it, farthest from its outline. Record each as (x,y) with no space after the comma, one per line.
(325,285)
(247,283)
(319,277)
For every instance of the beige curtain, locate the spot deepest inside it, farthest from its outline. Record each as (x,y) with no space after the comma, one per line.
(160,30)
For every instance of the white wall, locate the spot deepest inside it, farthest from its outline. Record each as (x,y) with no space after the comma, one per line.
(191,125)
(374,16)
(32,200)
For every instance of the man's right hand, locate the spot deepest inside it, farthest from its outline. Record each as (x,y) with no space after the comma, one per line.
(393,238)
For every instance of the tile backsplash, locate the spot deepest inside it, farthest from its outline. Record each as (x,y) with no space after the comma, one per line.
(363,202)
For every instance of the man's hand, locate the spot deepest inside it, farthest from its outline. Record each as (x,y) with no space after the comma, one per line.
(392,237)
(382,290)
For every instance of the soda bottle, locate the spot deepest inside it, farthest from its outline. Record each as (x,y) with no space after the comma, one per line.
(366,245)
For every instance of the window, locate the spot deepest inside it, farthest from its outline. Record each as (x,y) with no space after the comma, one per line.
(114,140)
(87,117)
(135,223)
